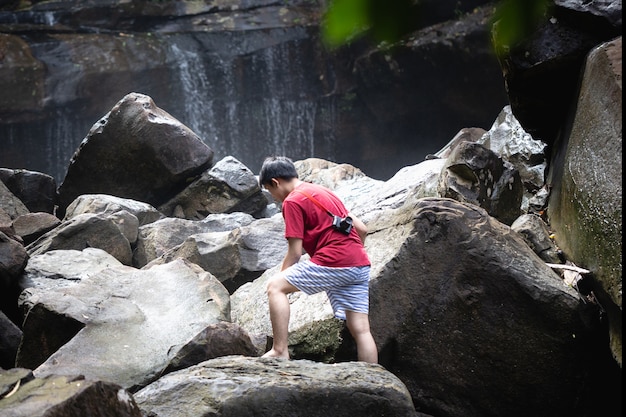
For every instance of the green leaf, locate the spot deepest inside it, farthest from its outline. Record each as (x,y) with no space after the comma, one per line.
(345,20)
(515,20)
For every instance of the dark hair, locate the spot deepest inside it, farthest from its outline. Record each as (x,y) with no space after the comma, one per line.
(277,167)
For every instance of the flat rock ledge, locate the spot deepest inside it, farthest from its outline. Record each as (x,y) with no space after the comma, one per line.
(244,386)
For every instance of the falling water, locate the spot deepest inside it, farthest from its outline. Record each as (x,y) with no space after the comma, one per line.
(248,101)
(249,107)
(60,133)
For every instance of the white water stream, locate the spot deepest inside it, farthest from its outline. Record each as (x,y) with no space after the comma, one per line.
(248,108)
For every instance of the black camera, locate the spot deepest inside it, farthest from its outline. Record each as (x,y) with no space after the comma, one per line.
(342,224)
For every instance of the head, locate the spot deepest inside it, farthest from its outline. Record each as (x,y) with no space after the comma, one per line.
(278,174)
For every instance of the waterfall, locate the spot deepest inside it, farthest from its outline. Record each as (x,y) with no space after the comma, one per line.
(249,106)
(245,95)
(44,147)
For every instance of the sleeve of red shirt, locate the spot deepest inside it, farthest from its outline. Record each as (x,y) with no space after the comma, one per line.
(294,220)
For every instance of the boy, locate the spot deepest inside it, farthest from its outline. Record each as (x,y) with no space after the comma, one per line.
(317,221)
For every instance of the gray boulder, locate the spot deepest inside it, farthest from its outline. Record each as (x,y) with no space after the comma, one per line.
(10,204)
(108,204)
(136,151)
(227,187)
(10,337)
(23,395)
(157,238)
(508,139)
(470,294)
(216,340)
(13,259)
(476,175)
(537,235)
(234,257)
(120,324)
(85,231)
(239,386)
(31,226)
(585,207)
(63,267)
(38,191)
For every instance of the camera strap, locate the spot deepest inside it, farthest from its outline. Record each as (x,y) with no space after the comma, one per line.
(317,203)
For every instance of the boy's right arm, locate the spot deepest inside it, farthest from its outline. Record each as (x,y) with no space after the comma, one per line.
(294,252)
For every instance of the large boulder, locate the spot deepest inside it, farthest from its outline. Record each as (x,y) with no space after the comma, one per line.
(237,256)
(585,207)
(32,226)
(157,238)
(36,190)
(23,395)
(542,72)
(227,187)
(463,286)
(10,204)
(120,325)
(239,386)
(136,151)
(476,175)
(86,231)
(108,204)
(469,293)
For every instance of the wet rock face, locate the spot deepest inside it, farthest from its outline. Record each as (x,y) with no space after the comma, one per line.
(19,69)
(249,78)
(543,72)
(586,204)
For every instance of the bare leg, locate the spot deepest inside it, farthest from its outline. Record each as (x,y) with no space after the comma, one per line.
(359,326)
(277,289)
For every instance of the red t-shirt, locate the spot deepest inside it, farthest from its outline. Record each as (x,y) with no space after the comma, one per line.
(305,220)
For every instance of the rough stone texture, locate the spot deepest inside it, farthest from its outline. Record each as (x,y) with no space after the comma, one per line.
(128,320)
(10,337)
(31,226)
(65,267)
(585,208)
(227,187)
(108,204)
(85,231)
(36,190)
(472,306)
(136,151)
(472,134)
(10,204)
(19,68)
(157,238)
(236,386)
(13,258)
(542,72)
(62,396)
(476,175)
(508,139)
(221,339)
(237,256)
(536,233)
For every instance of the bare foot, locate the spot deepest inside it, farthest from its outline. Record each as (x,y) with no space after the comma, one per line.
(275,354)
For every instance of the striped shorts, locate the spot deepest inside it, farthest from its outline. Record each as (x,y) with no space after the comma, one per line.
(347,288)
